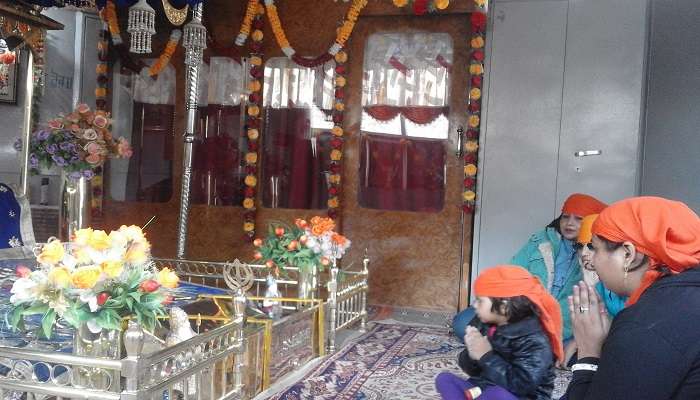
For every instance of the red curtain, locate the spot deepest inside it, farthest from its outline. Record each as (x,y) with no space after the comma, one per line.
(217,174)
(294,159)
(398,173)
(418,114)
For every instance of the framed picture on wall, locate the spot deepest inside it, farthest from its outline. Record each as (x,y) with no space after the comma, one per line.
(8,82)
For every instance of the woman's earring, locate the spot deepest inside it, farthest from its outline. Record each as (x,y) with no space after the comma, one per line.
(627,270)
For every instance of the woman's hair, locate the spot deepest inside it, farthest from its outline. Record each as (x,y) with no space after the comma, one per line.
(612,246)
(555,224)
(515,308)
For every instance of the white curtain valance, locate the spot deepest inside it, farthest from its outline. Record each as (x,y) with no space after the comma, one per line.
(288,85)
(154,91)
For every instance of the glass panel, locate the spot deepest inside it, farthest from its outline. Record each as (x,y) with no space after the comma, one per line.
(405,99)
(218,170)
(143,111)
(297,103)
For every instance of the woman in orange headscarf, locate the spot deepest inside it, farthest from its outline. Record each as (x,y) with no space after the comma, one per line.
(647,248)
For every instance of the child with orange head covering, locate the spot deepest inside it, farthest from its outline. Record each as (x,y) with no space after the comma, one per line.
(513,342)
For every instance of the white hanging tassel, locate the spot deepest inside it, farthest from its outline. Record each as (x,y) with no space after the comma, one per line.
(194,38)
(142,25)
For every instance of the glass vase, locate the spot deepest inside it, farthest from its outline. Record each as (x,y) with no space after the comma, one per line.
(74,206)
(105,344)
(307,284)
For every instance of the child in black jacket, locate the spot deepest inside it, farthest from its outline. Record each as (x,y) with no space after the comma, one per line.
(513,342)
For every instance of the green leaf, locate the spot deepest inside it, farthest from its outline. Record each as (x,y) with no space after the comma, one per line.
(36,308)
(47,323)
(16,317)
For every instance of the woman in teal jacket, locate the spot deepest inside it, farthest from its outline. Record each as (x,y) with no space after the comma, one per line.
(550,255)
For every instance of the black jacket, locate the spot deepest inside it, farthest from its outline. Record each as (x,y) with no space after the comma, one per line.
(521,360)
(653,348)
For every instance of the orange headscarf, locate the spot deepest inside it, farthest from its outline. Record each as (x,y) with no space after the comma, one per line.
(668,232)
(511,281)
(582,205)
(585,233)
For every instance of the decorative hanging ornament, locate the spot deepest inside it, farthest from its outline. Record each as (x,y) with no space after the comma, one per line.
(175,16)
(142,25)
(194,38)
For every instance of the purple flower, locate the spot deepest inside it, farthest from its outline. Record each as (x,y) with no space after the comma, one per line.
(59,160)
(33,160)
(74,158)
(17,145)
(43,135)
(67,146)
(51,149)
(88,174)
(75,175)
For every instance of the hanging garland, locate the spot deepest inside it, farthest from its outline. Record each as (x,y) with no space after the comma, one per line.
(250,12)
(168,52)
(252,126)
(341,38)
(335,182)
(476,72)
(420,7)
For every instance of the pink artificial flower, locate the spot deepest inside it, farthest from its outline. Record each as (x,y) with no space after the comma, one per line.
(100,121)
(124,148)
(82,108)
(89,117)
(75,128)
(73,117)
(93,148)
(93,159)
(90,134)
(55,124)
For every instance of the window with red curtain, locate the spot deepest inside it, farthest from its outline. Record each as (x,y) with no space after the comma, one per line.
(297,104)
(405,124)
(217,176)
(143,112)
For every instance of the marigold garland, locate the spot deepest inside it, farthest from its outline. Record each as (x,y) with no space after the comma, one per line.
(421,7)
(101,70)
(253,124)
(342,35)
(476,70)
(168,52)
(250,12)
(336,155)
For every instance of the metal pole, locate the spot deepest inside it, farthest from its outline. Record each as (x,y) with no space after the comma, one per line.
(194,42)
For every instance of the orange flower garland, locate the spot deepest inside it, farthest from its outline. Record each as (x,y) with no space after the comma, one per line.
(164,58)
(252,125)
(250,12)
(336,156)
(342,35)
(476,70)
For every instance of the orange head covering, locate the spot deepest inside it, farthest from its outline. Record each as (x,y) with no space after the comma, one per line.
(585,233)
(582,205)
(511,281)
(668,232)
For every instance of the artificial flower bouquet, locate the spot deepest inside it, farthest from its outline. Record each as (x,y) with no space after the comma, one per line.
(78,143)
(98,279)
(303,245)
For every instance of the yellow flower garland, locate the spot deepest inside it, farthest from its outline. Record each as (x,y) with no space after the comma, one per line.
(164,58)
(248,19)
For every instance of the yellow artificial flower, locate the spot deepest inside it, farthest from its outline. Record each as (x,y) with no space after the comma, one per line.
(99,240)
(476,69)
(341,57)
(101,68)
(118,238)
(474,121)
(336,155)
(475,94)
(85,277)
(442,4)
(59,277)
(81,237)
(100,92)
(477,42)
(469,195)
(340,81)
(168,278)
(251,180)
(400,3)
(248,203)
(81,255)
(257,35)
(333,202)
(337,131)
(251,158)
(339,106)
(248,227)
(112,268)
(136,254)
(335,179)
(253,134)
(471,146)
(253,111)
(480,3)
(470,170)
(255,60)
(254,86)
(51,253)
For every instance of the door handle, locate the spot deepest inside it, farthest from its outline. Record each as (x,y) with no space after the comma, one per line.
(586,153)
(460,142)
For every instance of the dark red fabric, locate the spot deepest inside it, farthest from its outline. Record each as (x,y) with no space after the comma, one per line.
(419,114)
(289,157)
(311,62)
(218,50)
(397,173)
